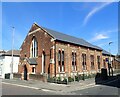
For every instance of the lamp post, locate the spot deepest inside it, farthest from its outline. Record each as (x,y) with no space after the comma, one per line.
(11,75)
(109,63)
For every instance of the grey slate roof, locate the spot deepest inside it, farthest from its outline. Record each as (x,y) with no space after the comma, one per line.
(67,38)
(32,61)
(104,52)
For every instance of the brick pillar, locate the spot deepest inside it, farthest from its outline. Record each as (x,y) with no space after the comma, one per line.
(56,59)
(28,76)
(68,60)
(88,61)
(22,76)
(52,65)
(79,64)
(22,72)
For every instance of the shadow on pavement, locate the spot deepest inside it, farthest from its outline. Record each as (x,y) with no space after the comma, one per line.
(113,81)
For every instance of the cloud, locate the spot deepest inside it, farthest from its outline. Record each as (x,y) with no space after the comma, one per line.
(95,10)
(99,37)
(102,35)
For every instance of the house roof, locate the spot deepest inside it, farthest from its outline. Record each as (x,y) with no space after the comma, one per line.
(9,53)
(32,61)
(104,52)
(70,39)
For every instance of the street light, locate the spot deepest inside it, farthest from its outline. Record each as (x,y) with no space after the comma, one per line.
(109,63)
(11,75)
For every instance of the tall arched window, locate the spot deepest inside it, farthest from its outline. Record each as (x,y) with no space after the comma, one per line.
(34,48)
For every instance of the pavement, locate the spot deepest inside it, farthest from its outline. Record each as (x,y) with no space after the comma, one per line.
(46,86)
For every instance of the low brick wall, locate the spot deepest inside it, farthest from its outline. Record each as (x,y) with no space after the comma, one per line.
(17,75)
(37,77)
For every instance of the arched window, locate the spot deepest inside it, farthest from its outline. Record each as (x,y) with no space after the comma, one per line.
(34,48)
(74,65)
(84,65)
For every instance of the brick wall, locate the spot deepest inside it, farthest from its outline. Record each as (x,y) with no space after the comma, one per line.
(68,48)
(44,44)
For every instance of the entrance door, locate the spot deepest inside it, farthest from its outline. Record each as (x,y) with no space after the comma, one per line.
(25,72)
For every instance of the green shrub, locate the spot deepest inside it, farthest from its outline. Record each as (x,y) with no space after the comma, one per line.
(65,80)
(89,76)
(53,79)
(70,79)
(76,78)
(59,79)
(80,77)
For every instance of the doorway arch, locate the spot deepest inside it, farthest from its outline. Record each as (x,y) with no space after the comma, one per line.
(25,72)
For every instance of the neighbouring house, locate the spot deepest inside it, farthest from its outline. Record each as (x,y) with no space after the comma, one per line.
(117,62)
(106,56)
(6,60)
(48,52)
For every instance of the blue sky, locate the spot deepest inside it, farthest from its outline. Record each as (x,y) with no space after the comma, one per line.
(95,22)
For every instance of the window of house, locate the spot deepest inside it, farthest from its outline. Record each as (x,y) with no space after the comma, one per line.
(92,61)
(98,61)
(34,48)
(74,67)
(84,67)
(61,61)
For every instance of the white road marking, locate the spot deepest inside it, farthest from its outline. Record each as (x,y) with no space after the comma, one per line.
(46,90)
(21,85)
(59,84)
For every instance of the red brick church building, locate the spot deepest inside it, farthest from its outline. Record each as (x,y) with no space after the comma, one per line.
(45,51)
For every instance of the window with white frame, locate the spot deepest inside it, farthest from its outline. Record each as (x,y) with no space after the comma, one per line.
(34,48)
(61,66)
(74,67)
(84,67)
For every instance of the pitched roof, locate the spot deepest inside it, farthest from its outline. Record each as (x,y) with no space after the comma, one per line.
(70,39)
(32,61)
(15,53)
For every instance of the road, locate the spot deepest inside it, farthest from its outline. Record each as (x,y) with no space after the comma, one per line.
(8,89)
(111,88)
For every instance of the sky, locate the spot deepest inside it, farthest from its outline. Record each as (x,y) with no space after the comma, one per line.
(95,22)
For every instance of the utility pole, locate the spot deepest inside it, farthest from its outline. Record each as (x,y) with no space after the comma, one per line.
(11,75)
(109,63)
